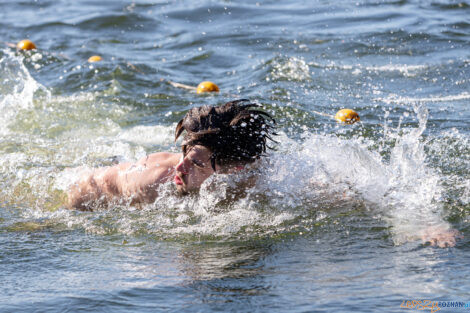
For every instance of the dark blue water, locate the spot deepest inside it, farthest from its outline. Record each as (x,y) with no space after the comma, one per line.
(335,221)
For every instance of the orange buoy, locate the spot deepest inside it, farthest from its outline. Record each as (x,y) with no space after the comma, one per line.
(347,116)
(26,44)
(94,58)
(207,86)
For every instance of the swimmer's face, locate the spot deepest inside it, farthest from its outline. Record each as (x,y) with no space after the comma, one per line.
(193,169)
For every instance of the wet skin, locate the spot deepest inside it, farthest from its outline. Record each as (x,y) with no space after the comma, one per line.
(138,182)
(193,169)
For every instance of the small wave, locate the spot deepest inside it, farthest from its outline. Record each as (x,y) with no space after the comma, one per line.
(404,69)
(291,69)
(18,88)
(110,20)
(393,98)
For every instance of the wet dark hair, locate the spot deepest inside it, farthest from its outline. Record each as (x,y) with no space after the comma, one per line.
(233,132)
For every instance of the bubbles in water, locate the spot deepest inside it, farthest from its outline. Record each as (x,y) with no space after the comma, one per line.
(292,69)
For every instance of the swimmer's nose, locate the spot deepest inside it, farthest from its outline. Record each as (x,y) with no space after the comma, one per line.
(180,167)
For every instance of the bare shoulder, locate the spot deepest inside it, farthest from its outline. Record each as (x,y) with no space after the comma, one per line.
(161,158)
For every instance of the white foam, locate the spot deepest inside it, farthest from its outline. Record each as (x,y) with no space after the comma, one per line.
(18,88)
(149,135)
(466,193)
(394,98)
(292,69)
(406,70)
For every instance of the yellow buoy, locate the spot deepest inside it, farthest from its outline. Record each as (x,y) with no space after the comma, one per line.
(26,44)
(347,116)
(94,58)
(206,87)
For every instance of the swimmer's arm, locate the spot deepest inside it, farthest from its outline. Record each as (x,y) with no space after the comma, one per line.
(97,187)
(131,180)
(141,180)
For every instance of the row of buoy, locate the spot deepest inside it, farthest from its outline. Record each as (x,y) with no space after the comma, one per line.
(27,44)
(347,116)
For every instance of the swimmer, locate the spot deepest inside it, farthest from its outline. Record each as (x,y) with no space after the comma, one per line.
(219,139)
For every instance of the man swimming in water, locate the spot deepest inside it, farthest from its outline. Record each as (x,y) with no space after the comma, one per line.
(218,139)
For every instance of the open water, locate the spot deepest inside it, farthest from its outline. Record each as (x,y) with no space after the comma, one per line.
(333,223)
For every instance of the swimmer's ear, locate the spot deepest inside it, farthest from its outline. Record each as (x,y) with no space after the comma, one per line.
(179,129)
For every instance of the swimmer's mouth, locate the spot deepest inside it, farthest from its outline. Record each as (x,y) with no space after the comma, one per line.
(178,180)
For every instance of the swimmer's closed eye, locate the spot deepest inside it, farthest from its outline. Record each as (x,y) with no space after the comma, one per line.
(197,163)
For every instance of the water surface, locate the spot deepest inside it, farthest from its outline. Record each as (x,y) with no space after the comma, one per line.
(333,223)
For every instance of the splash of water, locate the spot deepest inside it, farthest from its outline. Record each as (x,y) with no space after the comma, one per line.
(18,88)
(295,187)
(303,179)
(291,69)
